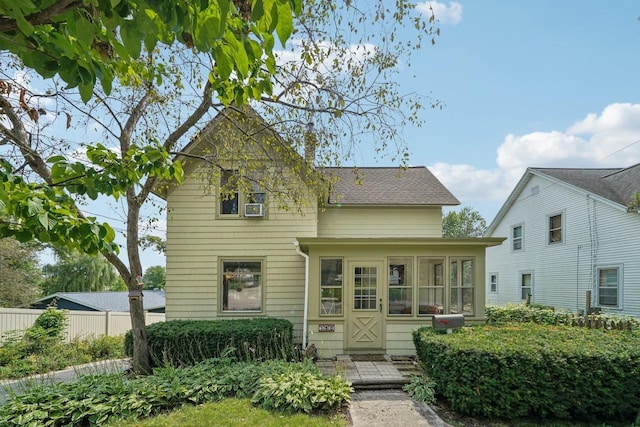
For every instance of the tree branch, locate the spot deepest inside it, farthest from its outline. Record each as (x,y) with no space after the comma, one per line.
(42,17)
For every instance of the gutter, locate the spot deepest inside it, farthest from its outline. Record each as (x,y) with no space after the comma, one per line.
(305,315)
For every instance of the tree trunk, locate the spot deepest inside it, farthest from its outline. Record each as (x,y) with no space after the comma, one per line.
(141,363)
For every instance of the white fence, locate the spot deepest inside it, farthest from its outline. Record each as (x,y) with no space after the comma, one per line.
(81,324)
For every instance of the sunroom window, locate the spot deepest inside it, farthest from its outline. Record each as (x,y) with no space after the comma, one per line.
(462,292)
(430,286)
(400,285)
(331,286)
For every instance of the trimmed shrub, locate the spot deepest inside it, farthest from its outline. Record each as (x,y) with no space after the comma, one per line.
(543,315)
(187,342)
(530,370)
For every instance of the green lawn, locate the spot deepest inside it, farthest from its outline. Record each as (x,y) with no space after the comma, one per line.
(235,413)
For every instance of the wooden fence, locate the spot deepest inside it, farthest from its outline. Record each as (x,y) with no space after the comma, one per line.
(81,324)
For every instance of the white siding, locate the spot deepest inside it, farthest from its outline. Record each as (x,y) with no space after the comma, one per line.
(595,234)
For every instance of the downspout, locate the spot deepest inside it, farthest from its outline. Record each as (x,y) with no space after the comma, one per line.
(305,314)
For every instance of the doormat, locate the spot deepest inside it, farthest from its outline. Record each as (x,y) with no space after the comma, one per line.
(368,357)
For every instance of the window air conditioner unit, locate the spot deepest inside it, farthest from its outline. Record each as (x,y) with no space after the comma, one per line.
(254,210)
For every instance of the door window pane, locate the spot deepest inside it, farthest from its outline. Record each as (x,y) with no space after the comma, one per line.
(365,286)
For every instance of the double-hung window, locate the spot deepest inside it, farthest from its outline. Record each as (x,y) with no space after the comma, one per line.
(493,283)
(401,285)
(430,285)
(331,286)
(609,287)
(235,203)
(241,285)
(526,285)
(462,282)
(517,242)
(555,234)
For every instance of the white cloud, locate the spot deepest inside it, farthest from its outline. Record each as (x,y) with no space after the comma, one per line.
(451,14)
(608,139)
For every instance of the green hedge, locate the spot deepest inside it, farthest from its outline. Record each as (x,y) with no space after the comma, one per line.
(187,342)
(531,370)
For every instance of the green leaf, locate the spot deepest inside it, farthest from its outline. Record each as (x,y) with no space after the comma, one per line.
(284,26)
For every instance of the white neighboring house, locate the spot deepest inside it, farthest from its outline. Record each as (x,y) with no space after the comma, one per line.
(569,231)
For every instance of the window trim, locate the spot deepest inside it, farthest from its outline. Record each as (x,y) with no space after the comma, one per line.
(620,270)
(531,287)
(459,260)
(491,282)
(513,240)
(221,278)
(321,311)
(243,198)
(549,230)
(408,282)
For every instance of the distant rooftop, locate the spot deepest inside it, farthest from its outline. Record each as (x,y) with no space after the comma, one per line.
(108,301)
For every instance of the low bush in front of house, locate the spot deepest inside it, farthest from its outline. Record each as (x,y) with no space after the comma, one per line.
(98,399)
(529,370)
(544,315)
(187,342)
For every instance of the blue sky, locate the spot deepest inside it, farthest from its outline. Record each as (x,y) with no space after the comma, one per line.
(544,83)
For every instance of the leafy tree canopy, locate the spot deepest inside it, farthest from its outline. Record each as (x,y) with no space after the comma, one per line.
(87,41)
(77,272)
(154,277)
(464,223)
(20,274)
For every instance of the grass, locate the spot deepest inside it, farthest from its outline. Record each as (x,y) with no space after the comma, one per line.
(235,413)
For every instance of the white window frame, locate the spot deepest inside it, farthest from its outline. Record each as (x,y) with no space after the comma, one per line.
(619,270)
(521,274)
(550,230)
(492,282)
(521,238)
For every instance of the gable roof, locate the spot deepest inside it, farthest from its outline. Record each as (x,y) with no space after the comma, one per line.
(615,185)
(387,186)
(108,301)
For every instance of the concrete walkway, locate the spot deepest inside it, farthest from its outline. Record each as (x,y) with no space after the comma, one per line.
(378,399)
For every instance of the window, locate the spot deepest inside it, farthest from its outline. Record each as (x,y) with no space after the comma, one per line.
(241,286)
(400,285)
(555,229)
(493,282)
(331,286)
(234,203)
(526,285)
(462,279)
(609,287)
(516,238)
(229,200)
(430,286)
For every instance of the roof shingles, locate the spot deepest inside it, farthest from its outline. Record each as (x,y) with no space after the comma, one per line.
(388,186)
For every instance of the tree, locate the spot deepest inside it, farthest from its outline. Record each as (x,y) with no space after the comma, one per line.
(77,272)
(334,89)
(19,273)
(154,277)
(465,223)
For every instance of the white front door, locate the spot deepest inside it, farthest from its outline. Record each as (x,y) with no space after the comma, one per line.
(364,312)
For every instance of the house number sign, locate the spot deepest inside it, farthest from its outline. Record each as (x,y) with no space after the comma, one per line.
(326,327)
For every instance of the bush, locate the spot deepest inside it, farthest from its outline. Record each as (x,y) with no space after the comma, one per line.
(187,342)
(521,370)
(47,330)
(295,391)
(543,315)
(98,399)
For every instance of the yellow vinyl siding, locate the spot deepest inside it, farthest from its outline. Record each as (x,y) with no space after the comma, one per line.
(197,241)
(376,221)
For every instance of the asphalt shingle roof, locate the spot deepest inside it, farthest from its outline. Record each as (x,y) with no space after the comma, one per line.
(110,301)
(388,186)
(615,184)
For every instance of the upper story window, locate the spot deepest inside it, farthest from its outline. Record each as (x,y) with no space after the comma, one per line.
(236,204)
(555,234)
(229,200)
(517,237)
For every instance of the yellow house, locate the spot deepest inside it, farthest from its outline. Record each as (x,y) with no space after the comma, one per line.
(355,272)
